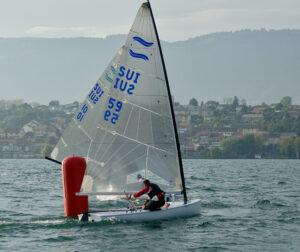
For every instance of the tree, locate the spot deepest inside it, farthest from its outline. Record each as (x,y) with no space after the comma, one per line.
(264,104)
(176,104)
(235,102)
(231,147)
(193,102)
(287,148)
(29,135)
(243,102)
(297,146)
(34,104)
(203,152)
(248,145)
(244,147)
(286,101)
(54,103)
(216,153)
(196,119)
(258,143)
(212,104)
(278,106)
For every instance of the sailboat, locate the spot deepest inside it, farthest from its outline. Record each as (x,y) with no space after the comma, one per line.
(125,127)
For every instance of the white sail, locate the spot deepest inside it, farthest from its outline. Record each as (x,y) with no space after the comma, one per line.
(124,127)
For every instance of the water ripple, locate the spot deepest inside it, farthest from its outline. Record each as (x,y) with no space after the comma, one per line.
(247,205)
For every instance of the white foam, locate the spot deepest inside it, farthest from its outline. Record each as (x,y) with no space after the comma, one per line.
(46,222)
(6,223)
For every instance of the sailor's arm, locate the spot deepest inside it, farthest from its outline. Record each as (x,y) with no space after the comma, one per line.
(143,191)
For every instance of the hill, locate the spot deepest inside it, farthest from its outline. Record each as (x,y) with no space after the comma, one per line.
(254,65)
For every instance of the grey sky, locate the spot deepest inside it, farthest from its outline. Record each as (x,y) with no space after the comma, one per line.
(176,19)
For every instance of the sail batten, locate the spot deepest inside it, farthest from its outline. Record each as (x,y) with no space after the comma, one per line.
(84,131)
(133,140)
(125,125)
(138,106)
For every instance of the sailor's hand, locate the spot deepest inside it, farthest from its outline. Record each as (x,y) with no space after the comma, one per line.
(128,197)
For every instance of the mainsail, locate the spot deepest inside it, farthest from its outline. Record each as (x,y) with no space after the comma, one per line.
(125,127)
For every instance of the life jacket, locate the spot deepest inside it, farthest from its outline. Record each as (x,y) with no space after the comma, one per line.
(154,190)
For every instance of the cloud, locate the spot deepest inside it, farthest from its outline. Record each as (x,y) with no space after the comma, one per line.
(206,21)
(75,31)
(187,23)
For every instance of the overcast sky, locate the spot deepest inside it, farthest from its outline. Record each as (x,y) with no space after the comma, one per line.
(176,19)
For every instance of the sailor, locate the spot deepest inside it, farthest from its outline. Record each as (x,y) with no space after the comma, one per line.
(156,195)
(140,178)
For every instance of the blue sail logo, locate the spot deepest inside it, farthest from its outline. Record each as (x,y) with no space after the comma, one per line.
(142,42)
(138,55)
(107,77)
(113,69)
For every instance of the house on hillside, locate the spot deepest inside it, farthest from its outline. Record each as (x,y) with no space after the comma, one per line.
(201,138)
(59,124)
(44,131)
(193,110)
(270,138)
(70,108)
(258,110)
(182,117)
(10,145)
(287,135)
(224,107)
(248,118)
(216,144)
(2,134)
(28,127)
(208,115)
(227,134)
(42,107)
(247,131)
(189,148)
(183,127)
(295,107)
(214,139)
(294,114)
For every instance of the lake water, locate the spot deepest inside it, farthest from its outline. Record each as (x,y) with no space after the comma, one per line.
(247,205)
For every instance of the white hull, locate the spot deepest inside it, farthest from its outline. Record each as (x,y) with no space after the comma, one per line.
(175,210)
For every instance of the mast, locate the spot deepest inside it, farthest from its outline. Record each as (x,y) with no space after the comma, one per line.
(171,106)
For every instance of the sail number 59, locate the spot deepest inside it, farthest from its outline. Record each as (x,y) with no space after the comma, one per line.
(112,113)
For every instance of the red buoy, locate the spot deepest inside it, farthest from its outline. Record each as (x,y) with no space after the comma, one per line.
(73,169)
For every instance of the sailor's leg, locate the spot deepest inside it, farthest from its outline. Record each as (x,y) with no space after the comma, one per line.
(153,205)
